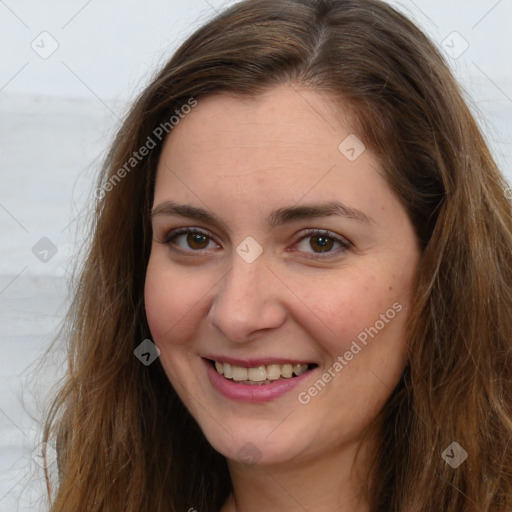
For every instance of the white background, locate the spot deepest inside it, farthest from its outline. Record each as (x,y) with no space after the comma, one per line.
(57,116)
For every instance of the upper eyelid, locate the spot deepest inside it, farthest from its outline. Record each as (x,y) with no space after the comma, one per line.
(186,230)
(344,241)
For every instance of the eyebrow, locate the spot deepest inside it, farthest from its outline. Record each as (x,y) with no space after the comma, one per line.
(276,218)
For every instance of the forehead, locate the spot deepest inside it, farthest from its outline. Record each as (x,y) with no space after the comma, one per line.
(278,146)
(283,115)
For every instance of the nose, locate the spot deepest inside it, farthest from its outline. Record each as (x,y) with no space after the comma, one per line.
(247,301)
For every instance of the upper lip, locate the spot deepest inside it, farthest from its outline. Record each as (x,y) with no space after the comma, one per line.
(253,362)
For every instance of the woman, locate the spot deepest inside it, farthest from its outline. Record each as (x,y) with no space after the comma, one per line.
(298,289)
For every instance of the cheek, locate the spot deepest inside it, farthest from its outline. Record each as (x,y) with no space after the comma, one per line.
(368,308)
(171,302)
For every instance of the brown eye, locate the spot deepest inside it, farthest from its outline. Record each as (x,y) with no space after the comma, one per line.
(321,243)
(189,240)
(197,241)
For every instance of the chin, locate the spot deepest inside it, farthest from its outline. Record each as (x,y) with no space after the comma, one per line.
(254,442)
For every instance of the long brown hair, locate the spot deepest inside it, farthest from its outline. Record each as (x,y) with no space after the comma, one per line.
(125,440)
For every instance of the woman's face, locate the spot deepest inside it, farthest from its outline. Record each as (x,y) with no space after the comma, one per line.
(299,260)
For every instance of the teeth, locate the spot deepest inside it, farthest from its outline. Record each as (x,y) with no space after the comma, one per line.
(239,373)
(287,370)
(257,374)
(260,373)
(273,371)
(299,369)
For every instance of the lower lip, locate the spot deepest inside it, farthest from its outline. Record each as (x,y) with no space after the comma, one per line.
(252,392)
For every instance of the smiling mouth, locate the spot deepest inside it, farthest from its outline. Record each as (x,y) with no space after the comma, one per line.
(260,375)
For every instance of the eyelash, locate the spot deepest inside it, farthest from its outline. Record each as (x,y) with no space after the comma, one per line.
(344,243)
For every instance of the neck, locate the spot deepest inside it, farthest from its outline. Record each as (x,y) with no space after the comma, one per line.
(323,484)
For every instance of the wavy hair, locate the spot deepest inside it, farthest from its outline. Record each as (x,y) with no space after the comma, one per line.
(125,441)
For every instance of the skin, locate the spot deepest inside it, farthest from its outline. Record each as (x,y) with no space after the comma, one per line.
(241,159)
